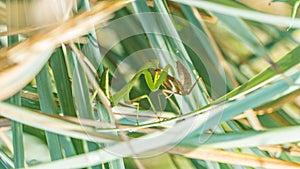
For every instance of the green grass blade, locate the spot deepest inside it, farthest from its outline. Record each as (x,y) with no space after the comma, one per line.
(48,106)
(247,138)
(243,33)
(81,94)
(63,83)
(148,23)
(243,13)
(206,61)
(5,161)
(288,61)
(17,128)
(64,90)
(19,157)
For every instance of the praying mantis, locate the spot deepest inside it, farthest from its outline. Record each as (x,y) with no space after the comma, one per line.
(161,78)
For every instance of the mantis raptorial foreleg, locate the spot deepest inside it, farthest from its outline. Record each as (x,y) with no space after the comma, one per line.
(124,92)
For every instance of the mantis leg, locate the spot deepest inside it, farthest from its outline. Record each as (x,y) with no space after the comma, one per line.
(168,94)
(192,87)
(137,112)
(151,105)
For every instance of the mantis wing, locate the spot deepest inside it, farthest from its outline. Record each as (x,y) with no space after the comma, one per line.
(184,77)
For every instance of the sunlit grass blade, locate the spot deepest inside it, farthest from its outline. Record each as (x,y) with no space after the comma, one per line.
(5,161)
(279,102)
(246,138)
(54,124)
(287,62)
(243,13)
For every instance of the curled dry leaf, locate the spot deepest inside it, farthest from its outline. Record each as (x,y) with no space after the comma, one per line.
(20,64)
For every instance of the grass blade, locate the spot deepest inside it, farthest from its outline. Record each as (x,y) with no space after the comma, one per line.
(243,13)
(287,62)
(48,106)
(17,128)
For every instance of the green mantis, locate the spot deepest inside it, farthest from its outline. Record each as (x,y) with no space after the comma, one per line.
(160,79)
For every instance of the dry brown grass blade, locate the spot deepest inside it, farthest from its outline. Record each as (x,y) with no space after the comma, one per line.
(234,158)
(22,62)
(25,30)
(294,150)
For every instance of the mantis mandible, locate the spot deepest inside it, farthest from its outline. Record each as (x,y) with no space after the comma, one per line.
(183,86)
